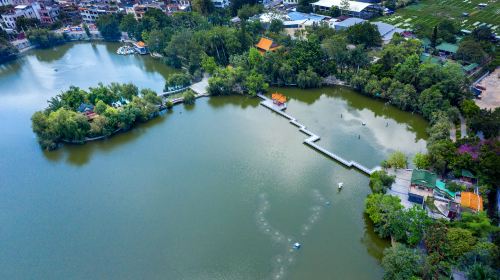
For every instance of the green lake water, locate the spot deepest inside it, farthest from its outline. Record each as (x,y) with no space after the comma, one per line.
(218,190)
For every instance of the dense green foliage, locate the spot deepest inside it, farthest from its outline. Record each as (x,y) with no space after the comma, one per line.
(365,33)
(44,38)
(109,27)
(7,50)
(62,122)
(380,181)
(176,81)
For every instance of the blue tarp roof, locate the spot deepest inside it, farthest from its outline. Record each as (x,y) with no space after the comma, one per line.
(302,16)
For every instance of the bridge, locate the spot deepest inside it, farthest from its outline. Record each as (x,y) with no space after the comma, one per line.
(313,138)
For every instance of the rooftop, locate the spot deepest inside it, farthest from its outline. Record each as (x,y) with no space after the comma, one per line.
(354,6)
(266,44)
(423,178)
(349,22)
(447,47)
(472,201)
(302,16)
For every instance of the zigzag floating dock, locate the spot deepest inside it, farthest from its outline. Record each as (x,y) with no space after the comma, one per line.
(268,103)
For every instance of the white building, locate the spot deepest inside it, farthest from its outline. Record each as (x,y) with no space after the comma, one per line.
(27,11)
(291,2)
(355,9)
(91,13)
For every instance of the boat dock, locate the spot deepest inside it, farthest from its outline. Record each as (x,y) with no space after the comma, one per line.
(313,138)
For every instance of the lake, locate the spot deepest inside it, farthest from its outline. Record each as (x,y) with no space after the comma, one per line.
(218,190)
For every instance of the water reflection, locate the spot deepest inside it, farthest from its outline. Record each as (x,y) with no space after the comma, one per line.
(355,103)
(374,244)
(79,155)
(240,101)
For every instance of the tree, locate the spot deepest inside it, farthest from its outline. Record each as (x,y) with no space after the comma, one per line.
(308,79)
(364,33)
(400,263)
(87,30)
(276,26)
(304,6)
(469,108)
(247,11)
(458,242)
(344,6)
(178,80)
(255,83)
(43,38)
(7,50)
(479,224)
(482,33)
(129,24)
(397,160)
(380,208)
(203,7)
(430,100)
(157,41)
(208,64)
(109,27)
(434,37)
(100,107)
(440,153)
(471,51)
(421,161)
(380,181)
(480,271)
(189,97)
(416,222)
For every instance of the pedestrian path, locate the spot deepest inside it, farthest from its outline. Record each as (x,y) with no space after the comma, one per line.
(313,138)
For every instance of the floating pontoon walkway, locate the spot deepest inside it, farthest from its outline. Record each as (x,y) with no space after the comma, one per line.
(268,103)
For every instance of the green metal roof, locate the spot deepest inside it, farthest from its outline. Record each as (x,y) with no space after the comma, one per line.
(423,178)
(447,47)
(470,67)
(442,186)
(427,57)
(467,173)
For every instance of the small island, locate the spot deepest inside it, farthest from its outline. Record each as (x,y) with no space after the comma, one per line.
(77,115)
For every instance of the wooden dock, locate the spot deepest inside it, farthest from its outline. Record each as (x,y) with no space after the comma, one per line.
(313,138)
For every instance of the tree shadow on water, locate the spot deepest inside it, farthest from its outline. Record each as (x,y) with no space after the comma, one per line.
(374,244)
(81,154)
(235,100)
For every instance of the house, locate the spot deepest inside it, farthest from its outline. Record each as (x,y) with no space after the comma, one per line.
(266,45)
(422,185)
(341,25)
(387,31)
(355,8)
(440,191)
(26,11)
(468,177)
(471,201)
(447,48)
(221,3)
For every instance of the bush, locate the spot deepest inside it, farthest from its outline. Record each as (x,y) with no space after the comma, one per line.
(189,97)
(380,181)
(397,160)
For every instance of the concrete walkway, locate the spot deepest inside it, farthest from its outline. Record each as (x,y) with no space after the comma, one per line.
(201,86)
(313,138)
(463,127)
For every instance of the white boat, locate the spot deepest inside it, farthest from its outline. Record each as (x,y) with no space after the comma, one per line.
(341,185)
